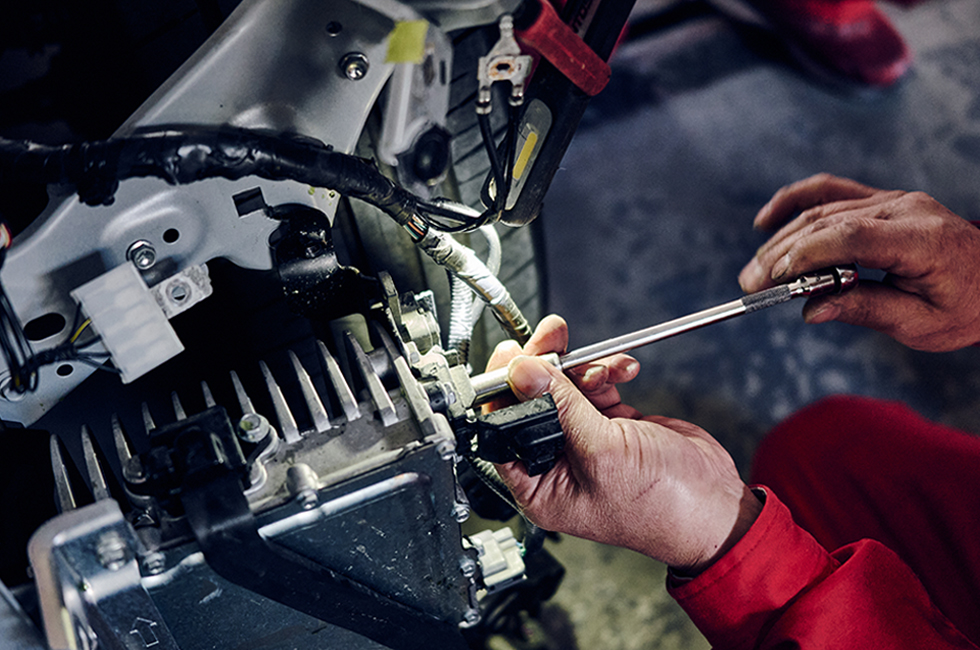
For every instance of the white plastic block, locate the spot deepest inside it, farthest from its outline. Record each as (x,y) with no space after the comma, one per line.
(129,321)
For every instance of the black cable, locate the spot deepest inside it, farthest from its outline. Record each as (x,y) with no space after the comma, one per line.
(501,172)
(185,154)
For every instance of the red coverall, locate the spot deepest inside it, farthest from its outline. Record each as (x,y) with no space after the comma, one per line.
(897,497)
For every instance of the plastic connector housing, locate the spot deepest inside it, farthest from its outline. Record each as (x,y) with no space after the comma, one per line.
(499,555)
(132,327)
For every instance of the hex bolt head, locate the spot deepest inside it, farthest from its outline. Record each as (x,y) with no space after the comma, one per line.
(354,65)
(142,254)
(154,563)
(112,550)
(461,512)
(253,427)
(301,481)
(467,567)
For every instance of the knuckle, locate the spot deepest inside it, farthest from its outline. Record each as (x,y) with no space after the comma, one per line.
(855,232)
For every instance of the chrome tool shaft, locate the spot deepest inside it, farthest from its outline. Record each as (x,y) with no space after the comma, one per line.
(836,279)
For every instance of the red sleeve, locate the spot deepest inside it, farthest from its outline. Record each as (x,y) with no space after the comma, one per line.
(779,588)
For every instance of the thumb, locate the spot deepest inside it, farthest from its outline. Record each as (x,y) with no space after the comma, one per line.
(871,304)
(530,377)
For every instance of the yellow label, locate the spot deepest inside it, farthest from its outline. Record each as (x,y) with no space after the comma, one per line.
(406,43)
(525,155)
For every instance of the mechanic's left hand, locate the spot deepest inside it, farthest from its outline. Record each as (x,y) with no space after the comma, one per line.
(656,485)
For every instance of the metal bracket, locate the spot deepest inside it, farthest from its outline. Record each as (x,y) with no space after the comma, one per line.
(88,582)
(226,530)
(504,62)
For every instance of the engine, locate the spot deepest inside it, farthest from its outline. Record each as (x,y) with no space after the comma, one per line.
(233,328)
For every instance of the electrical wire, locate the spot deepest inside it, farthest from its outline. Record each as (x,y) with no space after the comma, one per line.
(501,173)
(22,362)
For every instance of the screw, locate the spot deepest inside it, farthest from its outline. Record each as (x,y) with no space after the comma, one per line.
(154,563)
(446,450)
(112,550)
(179,292)
(253,427)
(354,65)
(307,499)
(468,567)
(461,512)
(471,617)
(142,254)
(301,481)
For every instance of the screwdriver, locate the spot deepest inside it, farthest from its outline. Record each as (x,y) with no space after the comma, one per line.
(836,279)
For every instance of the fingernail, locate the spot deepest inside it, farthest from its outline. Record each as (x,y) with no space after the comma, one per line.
(592,374)
(822,314)
(633,368)
(751,276)
(780,267)
(528,377)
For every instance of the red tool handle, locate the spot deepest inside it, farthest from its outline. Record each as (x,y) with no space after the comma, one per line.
(563,48)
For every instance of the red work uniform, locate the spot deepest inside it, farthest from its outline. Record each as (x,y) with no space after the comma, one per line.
(895,495)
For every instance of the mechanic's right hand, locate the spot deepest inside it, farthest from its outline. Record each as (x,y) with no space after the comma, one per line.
(659,486)
(930,297)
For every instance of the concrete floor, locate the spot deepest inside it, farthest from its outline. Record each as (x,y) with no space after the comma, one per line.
(651,219)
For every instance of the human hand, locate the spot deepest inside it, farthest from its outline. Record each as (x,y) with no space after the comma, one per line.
(653,484)
(930,297)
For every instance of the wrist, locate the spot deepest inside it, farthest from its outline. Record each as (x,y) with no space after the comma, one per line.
(749,508)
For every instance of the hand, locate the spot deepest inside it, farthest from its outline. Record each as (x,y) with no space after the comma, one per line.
(659,486)
(930,297)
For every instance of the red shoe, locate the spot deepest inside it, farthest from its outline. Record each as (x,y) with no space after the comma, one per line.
(850,38)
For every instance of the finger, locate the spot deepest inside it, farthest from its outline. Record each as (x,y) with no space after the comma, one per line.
(807,193)
(757,274)
(551,335)
(812,217)
(594,376)
(530,377)
(605,397)
(503,353)
(621,411)
(882,307)
(866,241)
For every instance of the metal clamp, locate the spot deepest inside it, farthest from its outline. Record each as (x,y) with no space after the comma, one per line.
(504,62)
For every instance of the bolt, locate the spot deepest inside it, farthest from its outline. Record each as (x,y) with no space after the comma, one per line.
(253,428)
(354,65)
(112,550)
(179,292)
(467,567)
(301,481)
(307,499)
(471,617)
(461,512)
(154,563)
(142,254)
(446,450)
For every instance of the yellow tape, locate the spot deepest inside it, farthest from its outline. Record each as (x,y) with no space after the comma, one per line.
(525,155)
(406,43)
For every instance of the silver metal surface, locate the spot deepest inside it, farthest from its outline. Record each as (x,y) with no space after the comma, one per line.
(271,65)
(88,583)
(464,264)
(504,62)
(182,290)
(17,630)
(836,279)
